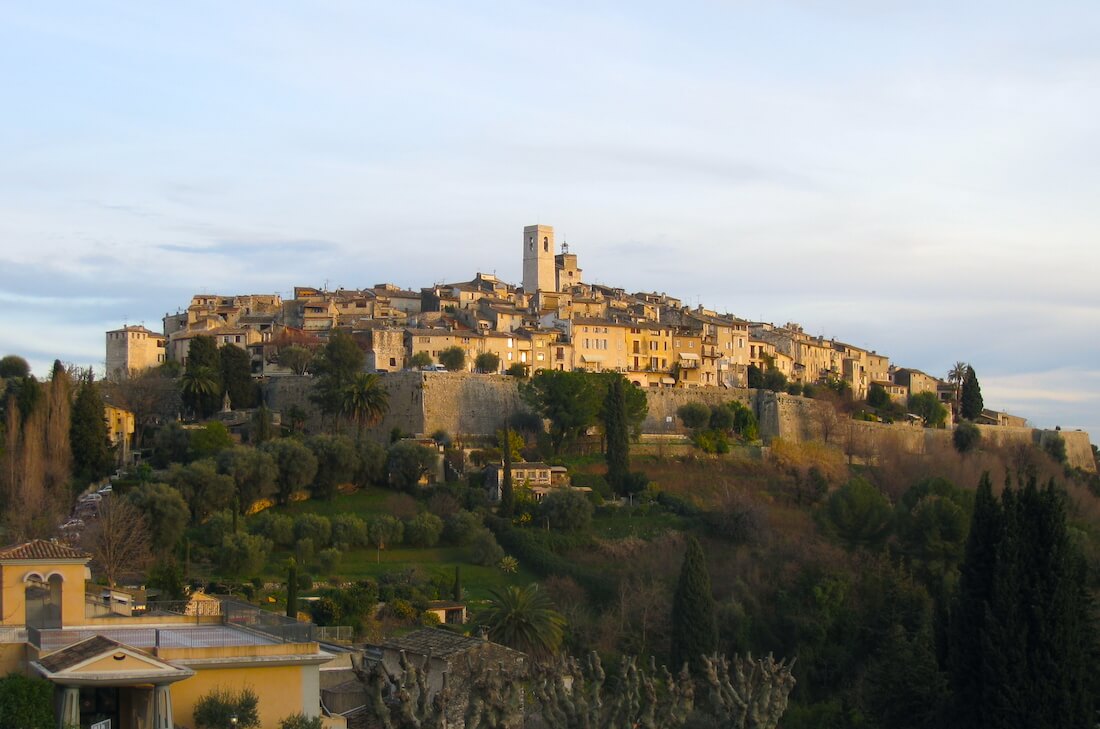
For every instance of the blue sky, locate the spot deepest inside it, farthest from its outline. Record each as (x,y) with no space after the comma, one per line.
(918,178)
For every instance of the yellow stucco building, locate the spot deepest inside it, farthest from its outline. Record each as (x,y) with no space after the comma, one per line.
(146,671)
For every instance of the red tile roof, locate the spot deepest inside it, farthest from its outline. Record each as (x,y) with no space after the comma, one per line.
(41,549)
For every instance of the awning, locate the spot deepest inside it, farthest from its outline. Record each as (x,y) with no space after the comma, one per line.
(688,355)
(667,381)
(591,358)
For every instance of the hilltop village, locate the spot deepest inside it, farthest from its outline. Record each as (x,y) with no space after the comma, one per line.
(553,321)
(380,507)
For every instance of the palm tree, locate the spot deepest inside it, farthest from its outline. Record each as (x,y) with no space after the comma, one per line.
(196,385)
(956,375)
(365,400)
(524,618)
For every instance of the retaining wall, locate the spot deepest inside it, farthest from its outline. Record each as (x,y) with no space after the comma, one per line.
(465,403)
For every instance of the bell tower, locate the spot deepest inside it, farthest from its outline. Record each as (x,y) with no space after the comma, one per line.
(539,271)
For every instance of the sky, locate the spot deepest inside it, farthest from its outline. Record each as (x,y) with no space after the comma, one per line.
(920,179)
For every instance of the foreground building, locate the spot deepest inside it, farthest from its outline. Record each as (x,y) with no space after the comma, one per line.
(145,671)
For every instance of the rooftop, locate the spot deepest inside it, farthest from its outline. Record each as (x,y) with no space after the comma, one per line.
(41,549)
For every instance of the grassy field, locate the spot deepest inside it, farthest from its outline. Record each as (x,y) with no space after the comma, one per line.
(429,563)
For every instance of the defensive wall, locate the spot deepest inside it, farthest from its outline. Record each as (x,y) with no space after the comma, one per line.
(465,403)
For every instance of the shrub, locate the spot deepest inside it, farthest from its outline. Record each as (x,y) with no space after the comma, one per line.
(348,531)
(300,721)
(711,441)
(216,709)
(276,527)
(304,549)
(423,530)
(966,437)
(243,554)
(315,527)
(329,560)
(462,527)
(694,415)
(1055,447)
(26,703)
(721,418)
(485,550)
(567,510)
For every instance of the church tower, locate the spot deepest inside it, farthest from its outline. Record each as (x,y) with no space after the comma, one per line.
(539,270)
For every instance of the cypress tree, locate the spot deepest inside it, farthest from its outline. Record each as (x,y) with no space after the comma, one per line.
(292,589)
(236,372)
(967,616)
(92,457)
(615,428)
(1020,635)
(507,497)
(971,404)
(694,625)
(456,588)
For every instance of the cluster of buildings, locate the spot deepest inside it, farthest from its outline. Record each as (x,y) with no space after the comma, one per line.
(554,320)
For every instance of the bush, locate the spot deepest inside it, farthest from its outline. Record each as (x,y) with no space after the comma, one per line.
(244,554)
(300,721)
(1055,447)
(711,441)
(315,527)
(329,560)
(721,418)
(567,510)
(966,437)
(694,415)
(276,527)
(461,527)
(348,531)
(406,462)
(304,549)
(26,703)
(372,463)
(216,709)
(485,550)
(423,530)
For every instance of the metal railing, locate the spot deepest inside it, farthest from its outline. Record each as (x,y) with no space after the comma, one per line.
(189,608)
(334,633)
(282,628)
(215,636)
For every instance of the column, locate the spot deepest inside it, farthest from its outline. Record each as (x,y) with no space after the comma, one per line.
(162,707)
(70,708)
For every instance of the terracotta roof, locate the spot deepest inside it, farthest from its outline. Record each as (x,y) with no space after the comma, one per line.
(76,654)
(41,549)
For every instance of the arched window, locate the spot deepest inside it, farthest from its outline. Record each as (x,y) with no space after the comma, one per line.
(546,243)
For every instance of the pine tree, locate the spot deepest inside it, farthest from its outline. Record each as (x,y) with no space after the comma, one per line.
(971,404)
(615,428)
(694,625)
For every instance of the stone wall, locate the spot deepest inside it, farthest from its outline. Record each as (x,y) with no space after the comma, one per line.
(465,403)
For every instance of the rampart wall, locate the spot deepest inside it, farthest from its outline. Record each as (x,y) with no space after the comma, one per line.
(464,403)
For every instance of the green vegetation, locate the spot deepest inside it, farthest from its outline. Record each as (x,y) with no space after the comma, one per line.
(223,708)
(26,703)
(970,401)
(694,626)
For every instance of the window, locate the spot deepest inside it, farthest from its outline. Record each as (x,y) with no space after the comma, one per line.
(393,361)
(546,243)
